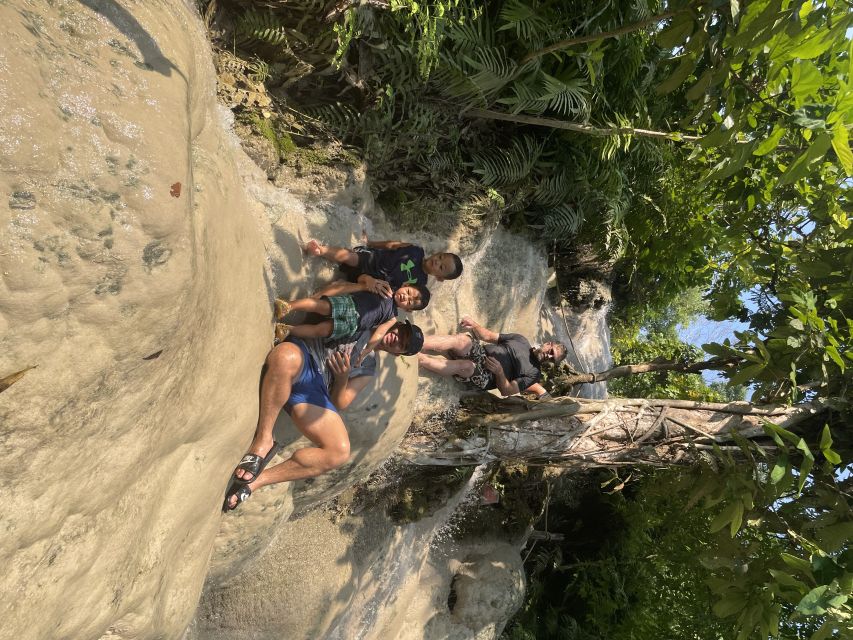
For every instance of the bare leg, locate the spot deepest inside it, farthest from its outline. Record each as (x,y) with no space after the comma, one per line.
(462,368)
(284,363)
(312,305)
(324,428)
(458,344)
(332,254)
(320,330)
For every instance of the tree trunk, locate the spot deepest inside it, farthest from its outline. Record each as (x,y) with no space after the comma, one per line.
(628,28)
(547,536)
(582,433)
(578,127)
(626,370)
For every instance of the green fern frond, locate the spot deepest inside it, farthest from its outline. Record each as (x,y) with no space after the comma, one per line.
(508,166)
(258,70)
(260,28)
(492,67)
(618,141)
(530,27)
(616,211)
(609,147)
(425,27)
(554,189)
(562,222)
(568,97)
(440,164)
(343,119)
(347,31)
(640,10)
(616,240)
(452,81)
(648,153)
(537,93)
(400,66)
(526,98)
(474,79)
(470,35)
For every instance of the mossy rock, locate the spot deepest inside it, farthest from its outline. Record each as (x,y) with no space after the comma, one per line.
(422,495)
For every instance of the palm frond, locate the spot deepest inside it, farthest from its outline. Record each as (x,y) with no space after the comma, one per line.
(554,189)
(530,27)
(470,35)
(260,28)
(509,165)
(562,222)
(492,68)
(568,97)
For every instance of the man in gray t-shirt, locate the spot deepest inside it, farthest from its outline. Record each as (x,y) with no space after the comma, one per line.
(313,383)
(323,354)
(507,362)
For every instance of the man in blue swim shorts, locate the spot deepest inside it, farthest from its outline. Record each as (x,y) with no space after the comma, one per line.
(312,382)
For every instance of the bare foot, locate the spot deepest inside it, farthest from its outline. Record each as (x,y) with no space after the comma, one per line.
(282,308)
(313,248)
(281,331)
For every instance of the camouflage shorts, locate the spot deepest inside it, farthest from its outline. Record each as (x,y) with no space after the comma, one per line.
(482,378)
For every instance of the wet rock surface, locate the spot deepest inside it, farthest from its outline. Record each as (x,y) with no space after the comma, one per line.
(141,253)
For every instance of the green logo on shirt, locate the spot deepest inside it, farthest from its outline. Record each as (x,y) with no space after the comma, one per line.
(407,267)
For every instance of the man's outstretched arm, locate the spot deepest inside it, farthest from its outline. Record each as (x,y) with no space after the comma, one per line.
(340,287)
(479,330)
(538,390)
(375,338)
(387,244)
(375,285)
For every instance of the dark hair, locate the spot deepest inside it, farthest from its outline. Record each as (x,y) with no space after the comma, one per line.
(457,267)
(425,296)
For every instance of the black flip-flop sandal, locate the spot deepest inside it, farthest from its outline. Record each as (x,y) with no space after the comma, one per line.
(254,464)
(242,491)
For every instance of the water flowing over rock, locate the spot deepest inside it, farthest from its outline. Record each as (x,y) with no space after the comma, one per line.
(369,581)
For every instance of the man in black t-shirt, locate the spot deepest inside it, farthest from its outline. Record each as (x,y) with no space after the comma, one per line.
(508,363)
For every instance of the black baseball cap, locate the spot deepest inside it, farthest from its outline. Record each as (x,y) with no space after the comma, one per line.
(416,337)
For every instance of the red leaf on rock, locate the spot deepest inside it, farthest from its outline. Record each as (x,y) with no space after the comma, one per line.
(176,190)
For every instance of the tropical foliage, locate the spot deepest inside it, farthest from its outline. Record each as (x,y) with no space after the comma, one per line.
(745,106)
(716,551)
(697,145)
(658,347)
